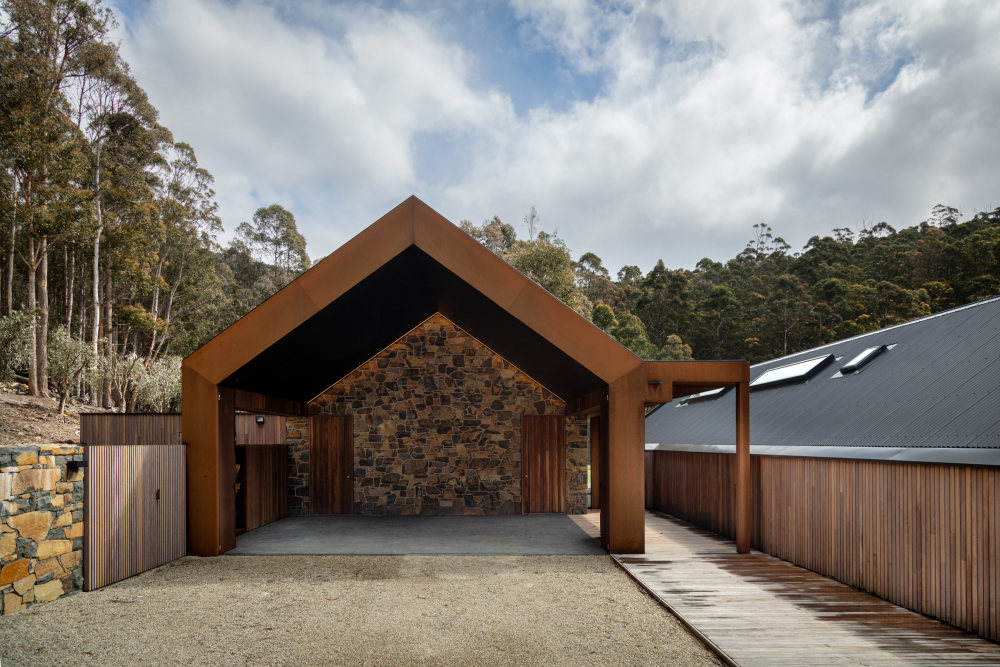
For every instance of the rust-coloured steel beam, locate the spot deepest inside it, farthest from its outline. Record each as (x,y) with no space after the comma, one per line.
(412,223)
(665,380)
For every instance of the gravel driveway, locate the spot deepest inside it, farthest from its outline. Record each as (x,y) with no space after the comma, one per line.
(359,610)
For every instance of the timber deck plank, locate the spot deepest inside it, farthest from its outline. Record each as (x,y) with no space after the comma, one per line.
(759,610)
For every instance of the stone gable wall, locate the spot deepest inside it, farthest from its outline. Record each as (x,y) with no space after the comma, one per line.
(41,524)
(437,421)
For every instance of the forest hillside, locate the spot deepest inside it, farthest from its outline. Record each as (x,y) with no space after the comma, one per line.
(112,269)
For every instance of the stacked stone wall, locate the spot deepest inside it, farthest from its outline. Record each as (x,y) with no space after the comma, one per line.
(41,524)
(437,428)
(577,462)
(298,466)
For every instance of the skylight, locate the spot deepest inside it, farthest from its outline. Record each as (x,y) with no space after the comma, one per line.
(700,396)
(800,371)
(863,358)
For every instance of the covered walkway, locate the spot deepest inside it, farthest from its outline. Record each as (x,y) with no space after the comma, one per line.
(754,609)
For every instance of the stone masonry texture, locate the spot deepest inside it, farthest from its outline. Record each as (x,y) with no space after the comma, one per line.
(437,429)
(41,524)
(298,466)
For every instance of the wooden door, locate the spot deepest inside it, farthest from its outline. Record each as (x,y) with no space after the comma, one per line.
(266,480)
(543,463)
(331,464)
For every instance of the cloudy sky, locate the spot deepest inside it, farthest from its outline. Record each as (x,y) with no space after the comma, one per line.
(638,130)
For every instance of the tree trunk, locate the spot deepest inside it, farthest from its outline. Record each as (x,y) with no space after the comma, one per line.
(70,275)
(83,303)
(42,333)
(107,329)
(10,258)
(108,324)
(33,360)
(95,325)
(154,307)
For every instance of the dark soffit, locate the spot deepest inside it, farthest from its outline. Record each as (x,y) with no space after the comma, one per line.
(384,306)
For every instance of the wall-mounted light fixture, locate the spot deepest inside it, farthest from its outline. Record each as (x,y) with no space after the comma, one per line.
(260,420)
(655,383)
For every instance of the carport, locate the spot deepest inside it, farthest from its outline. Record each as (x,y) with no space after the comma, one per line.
(517,535)
(347,354)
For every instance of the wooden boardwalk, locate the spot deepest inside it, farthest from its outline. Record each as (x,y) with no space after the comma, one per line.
(754,609)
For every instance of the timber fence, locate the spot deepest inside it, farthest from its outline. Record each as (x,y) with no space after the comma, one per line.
(135,499)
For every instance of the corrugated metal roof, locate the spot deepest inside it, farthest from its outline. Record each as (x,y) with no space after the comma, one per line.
(936,387)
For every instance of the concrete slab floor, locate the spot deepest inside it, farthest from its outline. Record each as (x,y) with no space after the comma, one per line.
(531,534)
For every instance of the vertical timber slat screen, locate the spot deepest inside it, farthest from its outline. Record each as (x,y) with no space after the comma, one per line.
(135,510)
(122,428)
(135,494)
(921,535)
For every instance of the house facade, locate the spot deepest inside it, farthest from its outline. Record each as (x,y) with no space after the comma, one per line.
(419,373)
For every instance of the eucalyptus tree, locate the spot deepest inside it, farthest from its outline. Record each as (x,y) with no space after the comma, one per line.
(543,257)
(188,225)
(595,282)
(45,47)
(273,237)
(120,125)
(663,303)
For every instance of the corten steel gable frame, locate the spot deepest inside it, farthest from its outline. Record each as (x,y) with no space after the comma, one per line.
(226,374)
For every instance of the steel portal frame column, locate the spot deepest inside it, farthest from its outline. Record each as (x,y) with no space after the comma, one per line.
(626,429)
(208,428)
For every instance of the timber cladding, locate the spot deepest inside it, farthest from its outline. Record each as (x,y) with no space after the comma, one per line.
(923,536)
(260,429)
(122,428)
(265,498)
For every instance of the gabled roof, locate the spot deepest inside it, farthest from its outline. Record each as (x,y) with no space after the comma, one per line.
(407,265)
(932,395)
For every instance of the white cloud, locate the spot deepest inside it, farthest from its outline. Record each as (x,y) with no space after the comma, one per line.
(764,118)
(711,117)
(323,123)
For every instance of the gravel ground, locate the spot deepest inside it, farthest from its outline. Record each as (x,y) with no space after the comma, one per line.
(380,610)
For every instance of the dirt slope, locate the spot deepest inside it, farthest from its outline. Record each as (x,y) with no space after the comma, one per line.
(28,419)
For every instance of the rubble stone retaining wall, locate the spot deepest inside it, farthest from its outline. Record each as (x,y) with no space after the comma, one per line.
(437,429)
(41,523)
